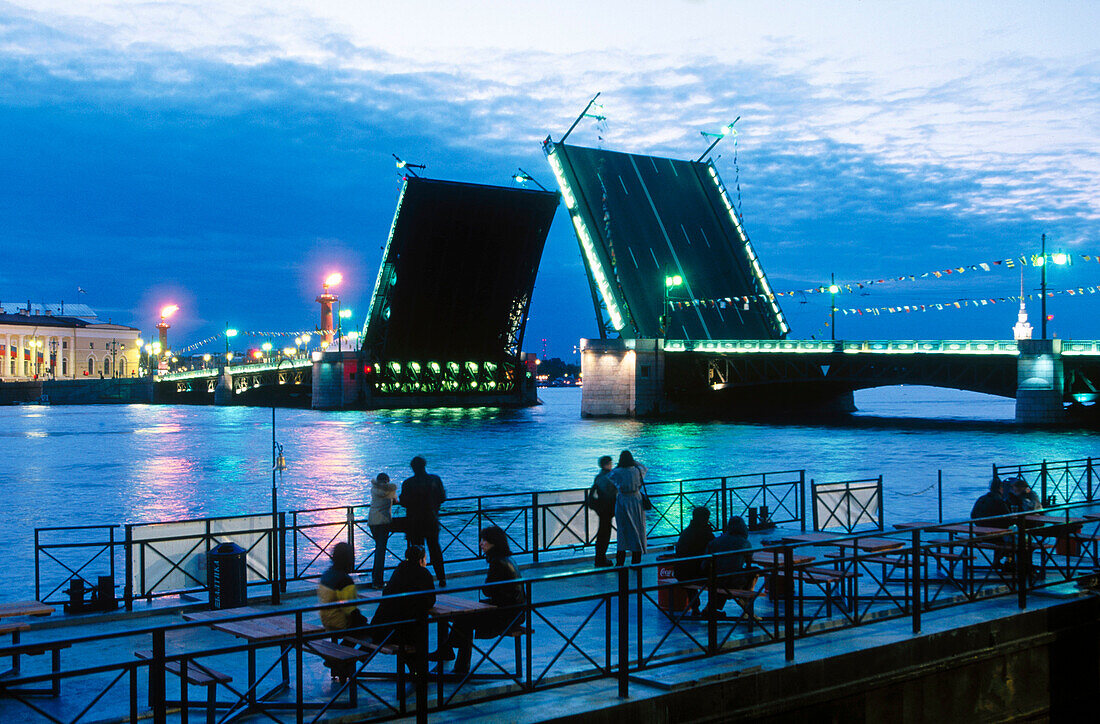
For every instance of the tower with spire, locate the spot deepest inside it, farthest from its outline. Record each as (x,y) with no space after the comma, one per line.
(1022,329)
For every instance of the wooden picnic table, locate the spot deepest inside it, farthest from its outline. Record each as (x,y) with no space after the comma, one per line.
(774,558)
(25,608)
(256,631)
(13,609)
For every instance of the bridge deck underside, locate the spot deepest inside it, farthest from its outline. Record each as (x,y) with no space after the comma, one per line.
(811,378)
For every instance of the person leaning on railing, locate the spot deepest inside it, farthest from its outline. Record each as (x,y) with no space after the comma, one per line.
(422,495)
(502,589)
(601,499)
(380,521)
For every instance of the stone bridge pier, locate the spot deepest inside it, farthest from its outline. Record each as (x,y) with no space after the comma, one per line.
(1040,382)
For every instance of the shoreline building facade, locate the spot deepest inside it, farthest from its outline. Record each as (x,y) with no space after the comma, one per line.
(37,342)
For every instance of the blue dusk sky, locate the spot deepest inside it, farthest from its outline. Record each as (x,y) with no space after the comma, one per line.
(226,156)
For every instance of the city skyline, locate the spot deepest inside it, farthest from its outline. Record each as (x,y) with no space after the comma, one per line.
(226,160)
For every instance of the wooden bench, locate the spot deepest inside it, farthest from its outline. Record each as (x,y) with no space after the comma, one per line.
(745,598)
(19,649)
(192,672)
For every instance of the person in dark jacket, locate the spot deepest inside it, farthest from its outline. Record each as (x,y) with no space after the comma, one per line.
(601,499)
(992,503)
(421,496)
(729,566)
(410,576)
(693,542)
(502,589)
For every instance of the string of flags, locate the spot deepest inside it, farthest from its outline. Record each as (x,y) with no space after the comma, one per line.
(961,303)
(243,333)
(855,287)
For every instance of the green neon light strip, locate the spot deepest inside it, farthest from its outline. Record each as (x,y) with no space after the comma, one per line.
(385,255)
(587,245)
(756,268)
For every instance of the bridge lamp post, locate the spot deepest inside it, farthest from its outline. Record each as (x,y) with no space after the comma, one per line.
(671,282)
(1058,258)
(344,314)
(229,333)
(266,347)
(833,291)
(278,465)
(205,360)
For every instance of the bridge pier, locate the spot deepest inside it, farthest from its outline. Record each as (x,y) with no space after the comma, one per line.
(622,377)
(1040,382)
(336,385)
(223,391)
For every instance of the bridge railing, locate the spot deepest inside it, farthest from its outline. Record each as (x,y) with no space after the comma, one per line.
(592,625)
(168,558)
(1056,482)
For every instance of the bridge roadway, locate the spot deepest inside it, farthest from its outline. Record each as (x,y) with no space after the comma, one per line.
(737,377)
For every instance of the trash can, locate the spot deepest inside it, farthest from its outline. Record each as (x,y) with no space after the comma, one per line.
(674,598)
(226,568)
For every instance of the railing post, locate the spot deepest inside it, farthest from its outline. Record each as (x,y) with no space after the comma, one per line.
(299,700)
(421,655)
(37,573)
(939,484)
(723,505)
(294,525)
(712,618)
(156,678)
(802,495)
(1088,479)
(1044,497)
(350,518)
(916,579)
(788,602)
(128,589)
(480,525)
(535,527)
(624,631)
(282,552)
(111,554)
(1022,565)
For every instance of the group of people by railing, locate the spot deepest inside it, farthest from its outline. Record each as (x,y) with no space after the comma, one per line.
(1012,495)
(421,495)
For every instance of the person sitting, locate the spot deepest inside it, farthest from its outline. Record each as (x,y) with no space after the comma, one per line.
(410,576)
(731,568)
(1020,498)
(991,504)
(336,585)
(502,589)
(693,542)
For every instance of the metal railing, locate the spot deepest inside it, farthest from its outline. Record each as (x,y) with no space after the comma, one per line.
(168,558)
(617,624)
(1064,481)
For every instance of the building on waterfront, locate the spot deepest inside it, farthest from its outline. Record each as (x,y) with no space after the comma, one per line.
(37,342)
(1022,328)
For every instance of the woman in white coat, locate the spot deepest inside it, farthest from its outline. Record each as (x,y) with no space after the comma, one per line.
(629,513)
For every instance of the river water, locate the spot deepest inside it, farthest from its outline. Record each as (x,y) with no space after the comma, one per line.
(139,463)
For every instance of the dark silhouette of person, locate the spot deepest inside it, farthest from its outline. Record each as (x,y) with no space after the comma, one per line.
(992,503)
(421,496)
(601,499)
(693,541)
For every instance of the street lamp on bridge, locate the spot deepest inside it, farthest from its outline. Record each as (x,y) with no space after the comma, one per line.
(833,291)
(229,333)
(1040,261)
(671,282)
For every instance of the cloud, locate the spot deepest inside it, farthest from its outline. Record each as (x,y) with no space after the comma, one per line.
(246,159)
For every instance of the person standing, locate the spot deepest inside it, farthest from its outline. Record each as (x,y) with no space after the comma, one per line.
(422,495)
(380,520)
(628,477)
(601,499)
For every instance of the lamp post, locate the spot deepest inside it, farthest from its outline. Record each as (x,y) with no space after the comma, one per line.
(1058,258)
(53,358)
(671,282)
(229,332)
(833,289)
(343,314)
(278,465)
(112,347)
